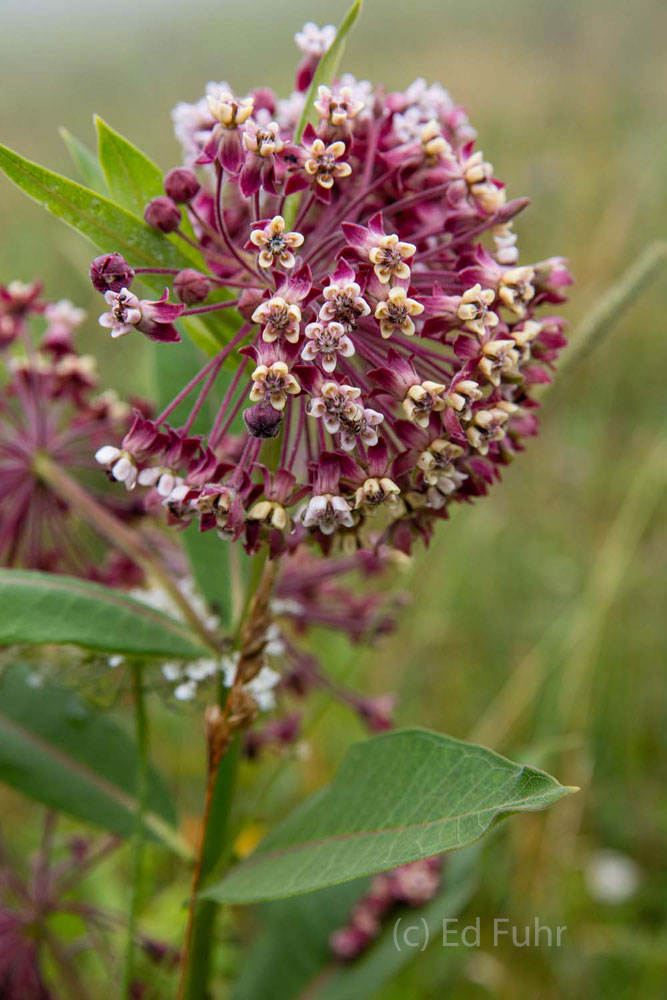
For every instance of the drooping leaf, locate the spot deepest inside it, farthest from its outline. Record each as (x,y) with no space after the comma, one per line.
(327,67)
(132,177)
(292,957)
(61,752)
(85,162)
(397,797)
(38,608)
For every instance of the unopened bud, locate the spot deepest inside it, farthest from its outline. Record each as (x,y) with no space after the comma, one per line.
(163,214)
(191,286)
(181,184)
(262,420)
(111,272)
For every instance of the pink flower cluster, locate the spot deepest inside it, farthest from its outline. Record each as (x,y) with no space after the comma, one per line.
(389,339)
(413,884)
(51,407)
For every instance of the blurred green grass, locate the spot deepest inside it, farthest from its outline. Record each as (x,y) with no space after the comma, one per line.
(568,99)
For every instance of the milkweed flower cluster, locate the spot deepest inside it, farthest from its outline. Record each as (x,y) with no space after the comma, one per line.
(414,884)
(51,407)
(386,334)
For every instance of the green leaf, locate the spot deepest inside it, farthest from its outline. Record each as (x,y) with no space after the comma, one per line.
(292,957)
(327,67)
(112,228)
(59,751)
(85,162)
(42,608)
(397,797)
(132,178)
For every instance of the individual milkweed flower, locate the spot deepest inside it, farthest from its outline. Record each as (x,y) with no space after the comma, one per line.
(395,332)
(325,164)
(343,301)
(279,318)
(326,341)
(475,311)
(396,311)
(338,107)
(273,383)
(154,319)
(273,242)
(17,300)
(312,40)
(327,512)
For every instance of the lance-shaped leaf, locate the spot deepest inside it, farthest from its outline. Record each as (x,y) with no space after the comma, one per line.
(85,161)
(61,752)
(132,177)
(397,797)
(112,228)
(292,956)
(42,608)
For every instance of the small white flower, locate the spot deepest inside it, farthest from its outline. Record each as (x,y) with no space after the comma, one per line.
(262,687)
(64,313)
(200,670)
(172,671)
(185,691)
(116,661)
(611,877)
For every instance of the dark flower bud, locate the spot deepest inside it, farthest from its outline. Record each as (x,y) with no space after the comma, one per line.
(191,286)
(262,420)
(163,214)
(181,184)
(111,272)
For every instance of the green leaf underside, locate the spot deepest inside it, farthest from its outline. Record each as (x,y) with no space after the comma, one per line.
(132,178)
(112,228)
(42,608)
(61,752)
(397,797)
(85,161)
(292,957)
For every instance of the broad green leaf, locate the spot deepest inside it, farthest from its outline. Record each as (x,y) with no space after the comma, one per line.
(327,67)
(292,957)
(132,178)
(59,751)
(42,608)
(397,797)
(85,162)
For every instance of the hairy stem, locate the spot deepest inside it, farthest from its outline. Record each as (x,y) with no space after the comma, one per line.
(138,840)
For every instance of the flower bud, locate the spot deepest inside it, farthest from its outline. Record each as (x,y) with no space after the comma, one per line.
(262,420)
(111,272)
(191,286)
(181,184)
(163,214)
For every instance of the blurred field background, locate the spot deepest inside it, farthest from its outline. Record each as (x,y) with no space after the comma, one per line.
(553,586)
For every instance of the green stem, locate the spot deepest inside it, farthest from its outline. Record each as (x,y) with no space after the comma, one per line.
(611,307)
(214,857)
(138,840)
